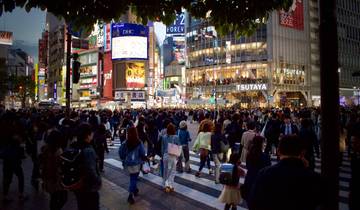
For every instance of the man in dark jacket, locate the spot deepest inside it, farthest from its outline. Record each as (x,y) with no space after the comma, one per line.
(290,184)
(272,132)
(354,202)
(288,128)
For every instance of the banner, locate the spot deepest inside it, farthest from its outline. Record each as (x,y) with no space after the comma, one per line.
(178,27)
(135,74)
(6,37)
(294,18)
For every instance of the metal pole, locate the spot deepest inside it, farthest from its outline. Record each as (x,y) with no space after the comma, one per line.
(68,56)
(329,78)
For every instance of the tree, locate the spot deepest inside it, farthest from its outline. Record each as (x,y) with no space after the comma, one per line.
(22,87)
(240,17)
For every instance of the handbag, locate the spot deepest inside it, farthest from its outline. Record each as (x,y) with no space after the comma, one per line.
(174,149)
(224,147)
(145,169)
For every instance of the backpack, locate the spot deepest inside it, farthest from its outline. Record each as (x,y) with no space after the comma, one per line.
(228,174)
(70,166)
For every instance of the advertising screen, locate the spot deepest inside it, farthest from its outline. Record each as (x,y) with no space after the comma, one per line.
(294,18)
(135,74)
(129,41)
(179,51)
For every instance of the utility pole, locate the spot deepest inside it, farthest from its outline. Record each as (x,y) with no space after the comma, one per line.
(68,57)
(329,78)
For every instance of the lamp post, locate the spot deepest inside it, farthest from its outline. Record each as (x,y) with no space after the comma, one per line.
(146,95)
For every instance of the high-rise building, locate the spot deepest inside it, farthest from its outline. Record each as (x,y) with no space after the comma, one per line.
(271,67)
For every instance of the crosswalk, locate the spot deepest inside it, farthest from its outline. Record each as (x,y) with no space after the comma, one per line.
(204,190)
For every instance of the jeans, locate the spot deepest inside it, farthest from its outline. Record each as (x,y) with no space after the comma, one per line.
(203,160)
(87,200)
(217,160)
(133,182)
(58,199)
(169,170)
(9,168)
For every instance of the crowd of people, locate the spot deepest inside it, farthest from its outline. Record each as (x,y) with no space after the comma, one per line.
(76,144)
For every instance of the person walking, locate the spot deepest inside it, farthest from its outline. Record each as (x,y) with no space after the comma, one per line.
(255,161)
(289,184)
(246,140)
(202,145)
(310,141)
(100,145)
(216,138)
(184,137)
(49,159)
(354,202)
(132,154)
(230,194)
(169,158)
(87,195)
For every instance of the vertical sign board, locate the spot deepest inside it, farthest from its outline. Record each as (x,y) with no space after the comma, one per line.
(107,37)
(294,18)
(228,52)
(178,27)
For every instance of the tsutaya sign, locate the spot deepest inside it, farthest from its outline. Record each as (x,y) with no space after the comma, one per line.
(247,87)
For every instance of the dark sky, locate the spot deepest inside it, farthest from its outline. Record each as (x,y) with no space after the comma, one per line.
(26,28)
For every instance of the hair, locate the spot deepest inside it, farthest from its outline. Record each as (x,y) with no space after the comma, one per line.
(234,158)
(218,128)
(256,146)
(206,127)
(290,145)
(170,129)
(84,130)
(250,125)
(305,123)
(132,137)
(54,140)
(101,129)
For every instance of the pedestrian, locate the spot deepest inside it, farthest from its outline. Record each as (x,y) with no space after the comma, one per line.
(230,194)
(50,170)
(100,145)
(202,145)
(255,161)
(87,195)
(309,139)
(169,157)
(216,138)
(132,154)
(289,184)
(246,140)
(184,137)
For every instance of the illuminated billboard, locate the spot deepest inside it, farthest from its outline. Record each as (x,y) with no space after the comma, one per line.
(129,41)
(294,18)
(135,74)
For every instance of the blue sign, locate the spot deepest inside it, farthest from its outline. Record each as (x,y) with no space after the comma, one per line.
(178,27)
(128,29)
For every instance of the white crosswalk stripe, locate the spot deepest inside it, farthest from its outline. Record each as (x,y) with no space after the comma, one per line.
(204,190)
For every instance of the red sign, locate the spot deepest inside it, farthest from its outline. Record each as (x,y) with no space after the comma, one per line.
(107,76)
(294,18)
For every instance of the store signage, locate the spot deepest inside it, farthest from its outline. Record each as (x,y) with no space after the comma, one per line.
(6,37)
(251,87)
(228,53)
(129,95)
(129,41)
(178,27)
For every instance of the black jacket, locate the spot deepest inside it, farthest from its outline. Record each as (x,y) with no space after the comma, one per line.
(286,185)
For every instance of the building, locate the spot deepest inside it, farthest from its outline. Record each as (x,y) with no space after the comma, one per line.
(271,67)
(43,66)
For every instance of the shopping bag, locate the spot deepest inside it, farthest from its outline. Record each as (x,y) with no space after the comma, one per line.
(145,169)
(174,149)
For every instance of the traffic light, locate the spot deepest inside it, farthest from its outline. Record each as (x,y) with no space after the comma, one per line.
(76,72)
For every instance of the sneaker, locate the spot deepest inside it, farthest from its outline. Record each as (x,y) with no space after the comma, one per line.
(131,199)
(211,171)
(172,189)
(136,193)
(167,189)
(188,171)
(197,174)
(217,182)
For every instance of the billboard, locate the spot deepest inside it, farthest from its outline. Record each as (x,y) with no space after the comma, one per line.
(129,41)
(294,18)
(6,37)
(178,27)
(179,50)
(135,74)
(107,37)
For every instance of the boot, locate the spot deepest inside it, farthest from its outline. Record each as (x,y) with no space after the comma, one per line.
(131,199)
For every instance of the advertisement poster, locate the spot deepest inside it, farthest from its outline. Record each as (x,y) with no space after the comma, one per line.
(294,18)
(129,41)
(135,74)
(179,51)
